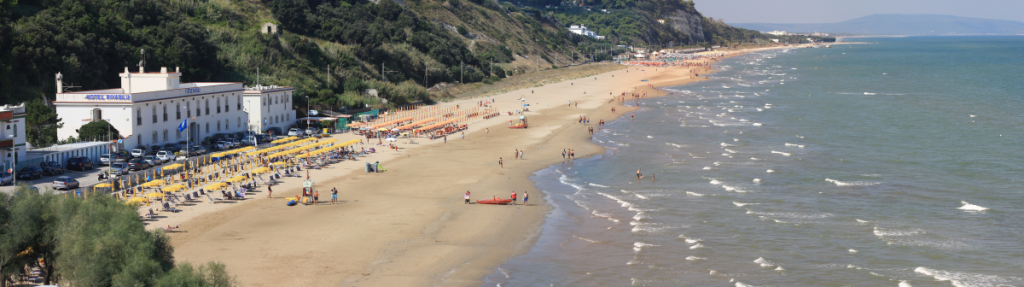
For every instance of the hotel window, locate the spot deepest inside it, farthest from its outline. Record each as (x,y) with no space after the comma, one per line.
(179,134)
(15,132)
(155,139)
(218,105)
(198,111)
(154,114)
(227,124)
(165,113)
(239,102)
(165,135)
(188,110)
(239,121)
(97,115)
(218,126)
(227,104)
(177,110)
(207,127)
(207,106)
(138,117)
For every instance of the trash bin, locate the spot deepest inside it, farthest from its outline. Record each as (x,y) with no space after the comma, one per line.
(370,168)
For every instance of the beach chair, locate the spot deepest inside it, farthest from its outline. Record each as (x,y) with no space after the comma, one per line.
(212,199)
(168,207)
(195,195)
(188,197)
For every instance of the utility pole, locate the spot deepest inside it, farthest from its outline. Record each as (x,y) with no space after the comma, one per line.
(462,72)
(328,76)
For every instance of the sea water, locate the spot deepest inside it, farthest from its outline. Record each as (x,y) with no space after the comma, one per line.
(899,162)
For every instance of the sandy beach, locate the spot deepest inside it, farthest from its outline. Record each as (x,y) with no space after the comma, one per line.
(408,226)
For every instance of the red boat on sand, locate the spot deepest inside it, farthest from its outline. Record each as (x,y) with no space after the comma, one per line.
(495,200)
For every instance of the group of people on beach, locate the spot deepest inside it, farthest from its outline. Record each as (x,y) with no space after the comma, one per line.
(526,197)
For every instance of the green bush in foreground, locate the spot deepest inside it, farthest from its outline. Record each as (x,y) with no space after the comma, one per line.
(97,241)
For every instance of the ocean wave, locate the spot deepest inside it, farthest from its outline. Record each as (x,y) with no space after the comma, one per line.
(707,168)
(782,153)
(965,279)
(692,241)
(862,221)
(792,215)
(730,151)
(692,258)
(741,204)
(882,232)
(595,213)
(726,144)
(795,145)
(733,189)
(565,180)
(756,180)
(597,185)
(770,171)
(852,183)
(637,246)
(696,246)
(904,283)
(641,196)
(619,200)
(586,239)
(690,193)
(715,181)
(968,207)
(764,262)
(757,124)
(852,251)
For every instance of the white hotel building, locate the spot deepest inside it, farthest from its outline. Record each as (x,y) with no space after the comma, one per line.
(148,108)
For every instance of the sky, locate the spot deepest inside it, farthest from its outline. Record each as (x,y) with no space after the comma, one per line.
(827,11)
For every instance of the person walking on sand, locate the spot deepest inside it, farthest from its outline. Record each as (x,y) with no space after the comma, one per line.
(563,154)
(467,197)
(446,139)
(520,154)
(316,197)
(517,154)
(334,195)
(500,164)
(269,191)
(513,197)
(526,197)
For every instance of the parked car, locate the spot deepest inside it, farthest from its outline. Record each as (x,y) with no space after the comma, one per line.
(274,130)
(80,163)
(198,149)
(295,132)
(172,147)
(121,157)
(6,178)
(65,182)
(152,160)
(153,149)
(51,168)
(137,164)
(30,172)
(165,156)
(105,159)
(118,169)
(139,152)
(313,131)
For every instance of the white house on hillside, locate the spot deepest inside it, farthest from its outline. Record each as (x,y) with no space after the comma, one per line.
(583,30)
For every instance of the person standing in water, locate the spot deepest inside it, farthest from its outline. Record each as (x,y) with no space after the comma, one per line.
(526,197)
(639,175)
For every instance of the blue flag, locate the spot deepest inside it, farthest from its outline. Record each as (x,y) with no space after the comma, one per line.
(183,125)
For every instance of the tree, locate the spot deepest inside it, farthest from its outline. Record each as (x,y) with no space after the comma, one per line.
(98,130)
(42,123)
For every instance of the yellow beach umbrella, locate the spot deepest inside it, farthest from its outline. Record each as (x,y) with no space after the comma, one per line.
(237,179)
(153,183)
(213,186)
(280,163)
(173,188)
(155,195)
(136,201)
(102,185)
(261,170)
(173,166)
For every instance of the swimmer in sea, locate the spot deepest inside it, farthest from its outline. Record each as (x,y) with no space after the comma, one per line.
(638,174)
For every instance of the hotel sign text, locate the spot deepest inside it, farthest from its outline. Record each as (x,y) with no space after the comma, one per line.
(191,90)
(108,97)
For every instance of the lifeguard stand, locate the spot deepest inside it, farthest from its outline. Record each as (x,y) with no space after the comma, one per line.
(307,192)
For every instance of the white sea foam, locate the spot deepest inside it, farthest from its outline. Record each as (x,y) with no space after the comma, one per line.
(741,204)
(675,145)
(565,180)
(597,185)
(757,180)
(692,241)
(870,94)
(725,144)
(800,136)
(715,181)
(795,145)
(641,196)
(764,262)
(604,215)
(770,171)
(757,124)
(713,272)
(740,284)
(637,246)
(707,168)
(968,207)
(862,221)
(904,283)
(650,137)
(754,158)
(973,116)
(698,245)
(733,189)
(690,193)
(730,151)
(852,183)
(692,258)
(619,200)
(780,268)
(965,279)
(882,232)
(782,153)
(853,250)
(586,239)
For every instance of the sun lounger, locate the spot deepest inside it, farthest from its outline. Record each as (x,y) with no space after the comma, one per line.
(168,207)
(212,199)
(170,229)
